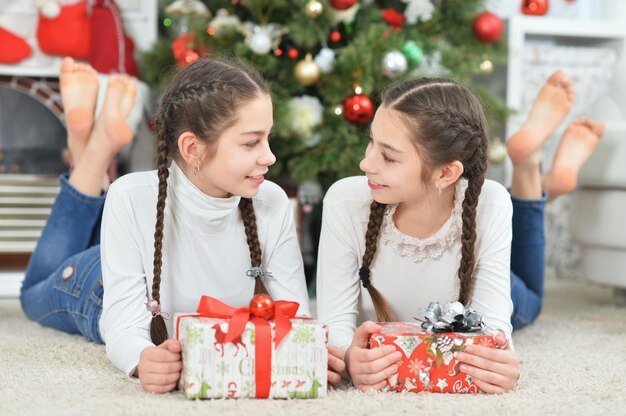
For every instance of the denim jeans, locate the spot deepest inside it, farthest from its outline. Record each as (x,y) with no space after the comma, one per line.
(527,260)
(62,287)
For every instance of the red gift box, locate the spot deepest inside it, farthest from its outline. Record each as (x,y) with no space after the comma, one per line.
(428,359)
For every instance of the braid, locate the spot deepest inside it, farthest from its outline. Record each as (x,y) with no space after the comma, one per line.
(476,178)
(249,223)
(158,330)
(383,311)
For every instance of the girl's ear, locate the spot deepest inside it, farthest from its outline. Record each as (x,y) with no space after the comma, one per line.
(191,148)
(448,174)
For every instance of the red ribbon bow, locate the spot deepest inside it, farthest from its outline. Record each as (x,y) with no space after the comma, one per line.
(210,307)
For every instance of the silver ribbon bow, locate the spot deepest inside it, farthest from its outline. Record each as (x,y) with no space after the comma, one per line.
(452,317)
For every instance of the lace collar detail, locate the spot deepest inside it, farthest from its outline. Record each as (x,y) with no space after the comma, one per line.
(433,246)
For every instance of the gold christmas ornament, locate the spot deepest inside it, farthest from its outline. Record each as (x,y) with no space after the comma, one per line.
(306,71)
(486,66)
(497,151)
(313,9)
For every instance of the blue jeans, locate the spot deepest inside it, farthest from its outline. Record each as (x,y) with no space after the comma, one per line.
(527,260)
(62,287)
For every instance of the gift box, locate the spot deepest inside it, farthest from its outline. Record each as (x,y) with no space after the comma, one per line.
(236,354)
(428,353)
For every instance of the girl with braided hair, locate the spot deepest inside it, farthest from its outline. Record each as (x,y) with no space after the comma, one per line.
(425,225)
(204,223)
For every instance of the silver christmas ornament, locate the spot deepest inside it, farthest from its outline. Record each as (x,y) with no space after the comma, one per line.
(394,64)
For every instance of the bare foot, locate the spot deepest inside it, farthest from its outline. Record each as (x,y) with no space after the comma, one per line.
(577,144)
(79,91)
(551,106)
(110,135)
(111,132)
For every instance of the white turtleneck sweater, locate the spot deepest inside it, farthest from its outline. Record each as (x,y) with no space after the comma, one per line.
(204,253)
(409,272)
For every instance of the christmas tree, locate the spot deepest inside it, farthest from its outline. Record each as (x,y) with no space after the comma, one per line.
(327,61)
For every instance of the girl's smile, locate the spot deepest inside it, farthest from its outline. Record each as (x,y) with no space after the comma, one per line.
(375,186)
(256,179)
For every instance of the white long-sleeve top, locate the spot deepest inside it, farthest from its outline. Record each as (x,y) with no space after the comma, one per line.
(204,253)
(409,272)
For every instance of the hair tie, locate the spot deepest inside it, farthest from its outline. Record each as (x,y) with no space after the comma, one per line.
(364,275)
(154,307)
(257,272)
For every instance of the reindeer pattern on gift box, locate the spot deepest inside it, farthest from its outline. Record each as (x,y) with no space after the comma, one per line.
(220,336)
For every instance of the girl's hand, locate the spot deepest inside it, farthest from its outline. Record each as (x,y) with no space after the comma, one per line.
(336,364)
(370,368)
(159,367)
(492,370)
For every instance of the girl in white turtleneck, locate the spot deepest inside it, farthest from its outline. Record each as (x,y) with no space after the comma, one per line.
(204,223)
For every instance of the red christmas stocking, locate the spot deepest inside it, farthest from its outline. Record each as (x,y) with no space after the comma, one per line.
(111,48)
(12,47)
(68,34)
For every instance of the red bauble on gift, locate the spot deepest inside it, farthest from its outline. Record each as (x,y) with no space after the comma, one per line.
(358,109)
(536,7)
(343,4)
(488,27)
(262,306)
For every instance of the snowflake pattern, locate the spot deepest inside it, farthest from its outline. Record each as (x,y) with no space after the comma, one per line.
(303,335)
(248,388)
(416,365)
(194,335)
(223,368)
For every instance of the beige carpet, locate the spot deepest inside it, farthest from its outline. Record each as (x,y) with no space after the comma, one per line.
(574,363)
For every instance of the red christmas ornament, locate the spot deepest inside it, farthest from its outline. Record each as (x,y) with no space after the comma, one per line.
(185,50)
(394,18)
(358,109)
(335,36)
(536,7)
(262,306)
(488,27)
(343,4)
(293,53)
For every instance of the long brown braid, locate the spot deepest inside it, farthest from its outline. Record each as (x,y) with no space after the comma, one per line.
(448,124)
(249,224)
(383,311)
(203,99)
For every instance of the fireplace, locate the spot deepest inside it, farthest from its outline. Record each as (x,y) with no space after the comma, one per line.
(32,136)
(32,142)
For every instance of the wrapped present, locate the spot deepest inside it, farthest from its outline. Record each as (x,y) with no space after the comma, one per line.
(232,352)
(428,350)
